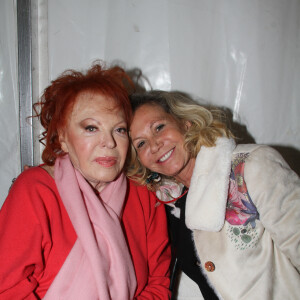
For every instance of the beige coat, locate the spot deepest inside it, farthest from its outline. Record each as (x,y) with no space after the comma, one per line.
(249,263)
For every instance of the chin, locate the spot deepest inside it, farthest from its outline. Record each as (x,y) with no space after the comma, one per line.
(107,178)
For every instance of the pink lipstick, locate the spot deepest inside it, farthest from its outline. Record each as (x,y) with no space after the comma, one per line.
(106,161)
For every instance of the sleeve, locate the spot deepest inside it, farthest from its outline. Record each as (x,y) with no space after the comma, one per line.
(159,254)
(21,257)
(275,190)
(146,231)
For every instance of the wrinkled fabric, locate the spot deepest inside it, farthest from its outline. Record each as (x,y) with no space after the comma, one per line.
(250,262)
(99,265)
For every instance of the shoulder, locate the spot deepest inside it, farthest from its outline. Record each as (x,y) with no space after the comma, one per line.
(135,190)
(139,200)
(32,188)
(34,180)
(33,175)
(265,170)
(257,150)
(260,157)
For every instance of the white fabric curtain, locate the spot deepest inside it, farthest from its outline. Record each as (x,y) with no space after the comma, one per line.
(241,54)
(9,105)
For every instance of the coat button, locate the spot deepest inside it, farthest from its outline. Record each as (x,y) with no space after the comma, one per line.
(209,266)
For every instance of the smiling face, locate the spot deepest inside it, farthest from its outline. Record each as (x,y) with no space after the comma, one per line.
(96,138)
(159,141)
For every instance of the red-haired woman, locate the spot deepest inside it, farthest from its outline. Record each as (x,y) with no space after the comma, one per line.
(63,223)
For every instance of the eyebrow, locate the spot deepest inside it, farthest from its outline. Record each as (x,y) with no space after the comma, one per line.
(92,119)
(135,138)
(151,125)
(100,123)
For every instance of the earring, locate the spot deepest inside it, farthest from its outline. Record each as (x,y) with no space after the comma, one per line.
(153,177)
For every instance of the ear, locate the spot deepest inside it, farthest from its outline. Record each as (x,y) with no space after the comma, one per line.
(62,140)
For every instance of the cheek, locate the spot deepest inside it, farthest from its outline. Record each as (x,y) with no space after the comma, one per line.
(79,149)
(144,158)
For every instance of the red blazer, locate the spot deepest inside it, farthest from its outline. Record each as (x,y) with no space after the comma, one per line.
(36,236)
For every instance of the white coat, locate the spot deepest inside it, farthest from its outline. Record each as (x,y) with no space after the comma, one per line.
(260,260)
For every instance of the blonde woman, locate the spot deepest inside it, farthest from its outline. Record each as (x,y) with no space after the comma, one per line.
(234,211)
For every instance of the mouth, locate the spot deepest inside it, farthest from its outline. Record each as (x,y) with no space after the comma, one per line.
(106,161)
(166,156)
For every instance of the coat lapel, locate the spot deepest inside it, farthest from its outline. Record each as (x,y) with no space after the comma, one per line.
(206,200)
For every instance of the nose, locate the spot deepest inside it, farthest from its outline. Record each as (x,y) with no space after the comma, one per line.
(108,141)
(155,144)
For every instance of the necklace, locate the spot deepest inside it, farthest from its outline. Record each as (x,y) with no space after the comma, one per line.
(174,199)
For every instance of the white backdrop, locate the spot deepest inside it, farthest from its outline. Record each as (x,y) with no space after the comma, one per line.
(241,54)
(9,105)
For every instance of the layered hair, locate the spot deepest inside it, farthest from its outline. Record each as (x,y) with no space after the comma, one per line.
(58,99)
(207,125)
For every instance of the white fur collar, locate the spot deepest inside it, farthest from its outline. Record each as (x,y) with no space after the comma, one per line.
(207,196)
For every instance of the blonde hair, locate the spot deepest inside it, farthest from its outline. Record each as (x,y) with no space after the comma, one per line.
(207,124)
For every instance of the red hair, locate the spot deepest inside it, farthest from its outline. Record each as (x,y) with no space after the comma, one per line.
(58,99)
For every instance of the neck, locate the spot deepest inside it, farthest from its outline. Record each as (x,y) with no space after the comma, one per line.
(185,175)
(100,186)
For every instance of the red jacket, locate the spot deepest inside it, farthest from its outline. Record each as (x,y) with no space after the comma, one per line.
(36,236)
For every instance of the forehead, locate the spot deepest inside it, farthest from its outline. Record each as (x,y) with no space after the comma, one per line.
(89,101)
(150,111)
(146,116)
(97,106)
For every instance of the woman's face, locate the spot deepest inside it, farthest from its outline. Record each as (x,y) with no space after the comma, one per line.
(96,138)
(159,141)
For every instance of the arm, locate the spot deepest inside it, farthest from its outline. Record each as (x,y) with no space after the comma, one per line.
(275,190)
(159,255)
(20,244)
(36,236)
(146,230)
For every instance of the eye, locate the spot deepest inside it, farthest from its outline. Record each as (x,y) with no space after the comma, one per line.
(122,130)
(90,128)
(140,144)
(160,127)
